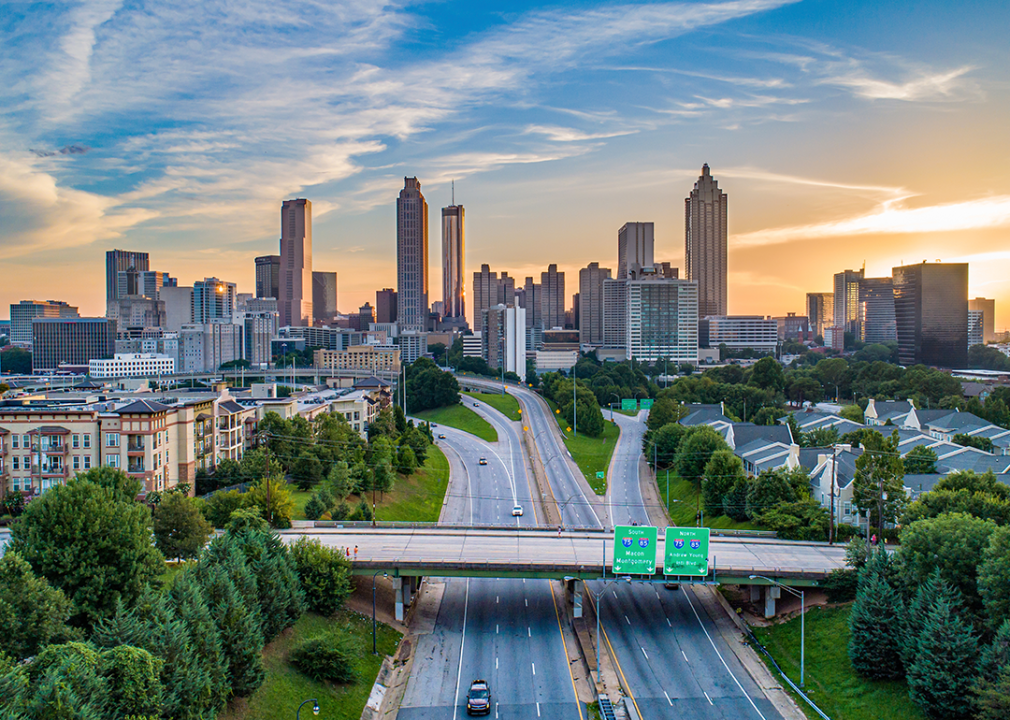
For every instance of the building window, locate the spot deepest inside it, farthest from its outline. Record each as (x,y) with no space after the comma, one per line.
(87,441)
(15,463)
(87,462)
(76,441)
(15,442)
(112,460)
(847,508)
(112,440)
(77,462)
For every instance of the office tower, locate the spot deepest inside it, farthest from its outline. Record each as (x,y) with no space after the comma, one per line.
(213,299)
(143,283)
(876,311)
(666,270)
(662,320)
(259,327)
(503,338)
(485,291)
(739,332)
(268,276)
(575,311)
(705,215)
(988,310)
(135,314)
(846,301)
(205,347)
(178,307)
(117,261)
(931,310)
(636,244)
(820,312)
(590,305)
(385,305)
(324,297)
(71,341)
(975,327)
(552,298)
(295,288)
(506,290)
(453,262)
(615,313)
(25,311)
(366,316)
(534,307)
(412,257)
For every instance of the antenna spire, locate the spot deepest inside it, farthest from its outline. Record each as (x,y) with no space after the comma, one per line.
(453,192)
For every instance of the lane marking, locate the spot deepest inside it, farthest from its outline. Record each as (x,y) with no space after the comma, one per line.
(685,656)
(626,618)
(712,643)
(616,661)
(496,629)
(664,692)
(496,663)
(462,641)
(564,644)
(529,633)
(527,601)
(645,653)
(707,697)
(534,668)
(538,709)
(668,622)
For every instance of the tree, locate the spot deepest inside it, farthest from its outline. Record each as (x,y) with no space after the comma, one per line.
(64,683)
(281,598)
(819,438)
(877,488)
(15,361)
(190,605)
(418,440)
(324,573)
(90,543)
(307,471)
(257,464)
(768,490)
(832,373)
(920,460)
(918,611)
(272,498)
(339,481)
(664,411)
(428,387)
(979,443)
(941,676)
(180,530)
(315,508)
(382,477)
(804,388)
(991,691)
(994,578)
(734,502)
(660,446)
(696,449)
(875,636)
(406,461)
(132,683)
(722,472)
(32,613)
(853,413)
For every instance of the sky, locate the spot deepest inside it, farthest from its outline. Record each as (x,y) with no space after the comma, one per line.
(845,133)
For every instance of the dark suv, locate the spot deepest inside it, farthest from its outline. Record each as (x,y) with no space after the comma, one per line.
(478,698)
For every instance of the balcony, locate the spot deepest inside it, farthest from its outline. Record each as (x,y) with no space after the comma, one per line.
(135,465)
(136,443)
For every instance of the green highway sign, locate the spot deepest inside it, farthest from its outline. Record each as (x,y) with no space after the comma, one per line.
(646,403)
(629,404)
(635,550)
(600,474)
(686,551)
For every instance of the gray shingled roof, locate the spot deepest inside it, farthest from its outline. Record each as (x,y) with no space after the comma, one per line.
(143,407)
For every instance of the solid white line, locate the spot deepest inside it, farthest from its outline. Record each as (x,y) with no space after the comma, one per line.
(664,692)
(497,599)
(712,643)
(645,653)
(496,629)
(534,668)
(496,663)
(685,656)
(496,711)
(529,632)
(462,641)
(707,698)
(538,709)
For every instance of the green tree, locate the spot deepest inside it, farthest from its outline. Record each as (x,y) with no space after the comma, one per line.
(722,472)
(734,502)
(940,678)
(217,508)
(875,636)
(952,543)
(258,463)
(696,449)
(920,460)
(180,530)
(853,413)
(832,374)
(406,461)
(272,498)
(918,611)
(979,443)
(65,684)
(767,374)
(819,438)
(382,477)
(877,488)
(32,613)
(803,519)
(282,601)
(331,656)
(191,608)
(664,411)
(339,480)
(89,542)
(307,471)
(428,387)
(994,578)
(325,575)
(991,691)
(315,508)
(660,446)
(132,683)
(16,361)
(768,490)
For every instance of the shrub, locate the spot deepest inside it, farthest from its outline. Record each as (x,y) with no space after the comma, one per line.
(841,585)
(324,572)
(327,657)
(218,507)
(314,508)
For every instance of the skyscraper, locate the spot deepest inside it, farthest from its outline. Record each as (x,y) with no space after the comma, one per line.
(412,256)
(590,305)
(876,311)
(552,303)
(295,288)
(931,313)
(506,294)
(846,300)
(531,296)
(71,341)
(485,292)
(705,216)
(268,276)
(213,300)
(636,244)
(820,312)
(988,310)
(385,305)
(122,260)
(662,320)
(453,263)
(324,297)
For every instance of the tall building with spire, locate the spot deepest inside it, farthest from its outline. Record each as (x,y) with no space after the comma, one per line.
(453,262)
(705,213)
(295,286)
(412,257)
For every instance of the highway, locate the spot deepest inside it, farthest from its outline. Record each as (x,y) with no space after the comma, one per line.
(668,643)
(504,631)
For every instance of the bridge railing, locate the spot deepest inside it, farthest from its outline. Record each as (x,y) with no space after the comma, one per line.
(395,525)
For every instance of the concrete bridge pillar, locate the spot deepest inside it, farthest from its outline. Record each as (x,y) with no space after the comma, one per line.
(755,594)
(398,590)
(772,593)
(577,598)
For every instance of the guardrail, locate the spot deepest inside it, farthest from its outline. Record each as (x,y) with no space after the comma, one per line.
(397,525)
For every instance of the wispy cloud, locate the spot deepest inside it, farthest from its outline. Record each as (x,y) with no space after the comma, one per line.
(564,134)
(926,85)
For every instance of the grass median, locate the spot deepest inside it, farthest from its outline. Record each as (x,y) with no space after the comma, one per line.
(505,404)
(591,454)
(285,687)
(462,418)
(830,680)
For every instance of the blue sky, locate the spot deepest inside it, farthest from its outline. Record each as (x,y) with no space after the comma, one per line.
(844,133)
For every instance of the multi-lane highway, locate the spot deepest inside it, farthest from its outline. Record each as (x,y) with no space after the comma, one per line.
(507,632)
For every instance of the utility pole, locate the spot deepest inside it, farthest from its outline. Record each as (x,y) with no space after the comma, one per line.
(834,476)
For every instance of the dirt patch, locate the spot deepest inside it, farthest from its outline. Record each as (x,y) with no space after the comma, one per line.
(787,606)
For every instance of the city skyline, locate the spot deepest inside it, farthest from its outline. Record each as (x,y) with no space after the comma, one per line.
(561,142)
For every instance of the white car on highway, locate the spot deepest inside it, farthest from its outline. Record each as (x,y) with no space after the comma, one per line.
(517,511)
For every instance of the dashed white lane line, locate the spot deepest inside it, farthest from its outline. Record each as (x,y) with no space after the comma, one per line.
(527,602)
(497,629)
(685,656)
(707,698)
(534,668)
(529,632)
(538,709)
(645,653)
(626,618)
(668,622)
(496,663)
(664,692)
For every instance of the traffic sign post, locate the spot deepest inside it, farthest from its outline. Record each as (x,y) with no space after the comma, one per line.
(635,550)
(600,475)
(686,551)
(646,403)
(629,404)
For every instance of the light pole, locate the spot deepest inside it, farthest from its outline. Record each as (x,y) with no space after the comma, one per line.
(315,708)
(374,651)
(803,620)
(612,405)
(598,597)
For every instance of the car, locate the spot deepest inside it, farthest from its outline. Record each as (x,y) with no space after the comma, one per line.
(441,436)
(672,586)
(482,461)
(478,698)
(517,511)
(476,405)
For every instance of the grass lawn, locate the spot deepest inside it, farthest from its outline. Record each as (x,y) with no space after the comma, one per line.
(285,687)
(684,503)
(505,404)
(591,454)
(417,498)
(830,680)
(462,418)
(300,498)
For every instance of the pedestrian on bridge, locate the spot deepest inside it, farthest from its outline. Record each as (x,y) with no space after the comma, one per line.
(355,552)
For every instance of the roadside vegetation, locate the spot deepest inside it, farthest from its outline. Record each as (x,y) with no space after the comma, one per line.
(505,404)
(462,418)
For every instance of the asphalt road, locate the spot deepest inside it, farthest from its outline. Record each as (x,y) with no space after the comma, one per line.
(504,631)
(668,647)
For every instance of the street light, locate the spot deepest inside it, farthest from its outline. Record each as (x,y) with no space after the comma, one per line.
(803,619)
(612,404)
(315,708)
(598,597)
(374,650)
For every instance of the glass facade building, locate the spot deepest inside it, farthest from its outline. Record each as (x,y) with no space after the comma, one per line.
(662,320)
(931,314)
